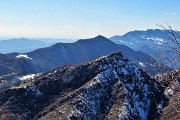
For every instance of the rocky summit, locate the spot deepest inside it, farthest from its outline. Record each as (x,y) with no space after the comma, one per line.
(109,87)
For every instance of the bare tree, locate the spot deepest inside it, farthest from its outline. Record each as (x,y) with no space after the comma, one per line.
(173,37)
(171,78)
(173,44)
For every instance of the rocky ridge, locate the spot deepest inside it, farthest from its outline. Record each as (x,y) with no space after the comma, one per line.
(110,87)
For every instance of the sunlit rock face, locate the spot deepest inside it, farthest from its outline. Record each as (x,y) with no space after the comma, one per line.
(110,87)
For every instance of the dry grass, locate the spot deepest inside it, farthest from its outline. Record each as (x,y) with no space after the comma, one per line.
(172,111)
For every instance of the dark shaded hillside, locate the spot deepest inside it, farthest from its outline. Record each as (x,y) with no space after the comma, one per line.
(11,65)
(72,53)
(61,54)
(11,68)
(110,87)
(84,50)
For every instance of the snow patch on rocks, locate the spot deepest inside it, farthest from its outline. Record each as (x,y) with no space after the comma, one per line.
(33,89)
(29,77)
(172,90)
(141,64)
(23,56)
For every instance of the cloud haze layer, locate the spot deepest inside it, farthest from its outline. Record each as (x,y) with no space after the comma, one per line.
(83,18)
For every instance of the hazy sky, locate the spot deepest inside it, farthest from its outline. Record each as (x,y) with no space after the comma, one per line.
(83,18)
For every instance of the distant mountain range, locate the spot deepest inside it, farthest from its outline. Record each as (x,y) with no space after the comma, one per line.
(61,54)
(151,41)
(110,87)
(22,45)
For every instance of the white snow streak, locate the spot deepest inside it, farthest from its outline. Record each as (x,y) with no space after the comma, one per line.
(23,56)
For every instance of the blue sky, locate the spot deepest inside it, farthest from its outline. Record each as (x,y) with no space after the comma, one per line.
(84,18)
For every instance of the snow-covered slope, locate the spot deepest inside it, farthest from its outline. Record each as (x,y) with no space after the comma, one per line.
(151,41)
(110,87)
